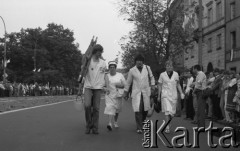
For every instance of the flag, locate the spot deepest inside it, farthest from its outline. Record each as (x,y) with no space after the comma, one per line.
(6,62)
(34,70)
(231,58)
(186,19)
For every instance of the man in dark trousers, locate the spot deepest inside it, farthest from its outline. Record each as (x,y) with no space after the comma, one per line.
(143,82)
(199,90)
(216,95)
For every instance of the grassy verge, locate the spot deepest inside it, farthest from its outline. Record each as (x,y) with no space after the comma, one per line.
(13,103)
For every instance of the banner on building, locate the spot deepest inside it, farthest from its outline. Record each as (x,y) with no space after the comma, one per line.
(231,57)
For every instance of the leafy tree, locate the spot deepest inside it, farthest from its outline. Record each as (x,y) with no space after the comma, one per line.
(158,31)
(58,58)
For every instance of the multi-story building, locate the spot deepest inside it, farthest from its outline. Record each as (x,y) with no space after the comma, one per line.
(191,52)
(177,54)
(183,9)
(213,35)
(233,35)
(213,50)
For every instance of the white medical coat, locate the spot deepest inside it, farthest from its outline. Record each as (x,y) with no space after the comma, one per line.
(140,86)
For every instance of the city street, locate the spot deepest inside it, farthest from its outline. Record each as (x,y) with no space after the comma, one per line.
(185,53)
(60,127)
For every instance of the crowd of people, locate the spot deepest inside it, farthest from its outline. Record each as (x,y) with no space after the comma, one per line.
(221,94)
(214,95)
(23,89)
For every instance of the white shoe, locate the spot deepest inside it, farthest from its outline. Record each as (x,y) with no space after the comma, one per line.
(116,125)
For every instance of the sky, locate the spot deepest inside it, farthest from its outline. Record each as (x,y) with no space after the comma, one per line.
(86,18)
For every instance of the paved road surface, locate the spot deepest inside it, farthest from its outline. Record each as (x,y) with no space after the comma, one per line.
(61,128)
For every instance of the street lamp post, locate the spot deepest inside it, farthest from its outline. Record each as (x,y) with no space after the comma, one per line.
(35,56)
(5,52)
(34,60)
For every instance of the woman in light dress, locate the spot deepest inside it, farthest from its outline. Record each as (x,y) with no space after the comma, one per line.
(114,95)
(167,92)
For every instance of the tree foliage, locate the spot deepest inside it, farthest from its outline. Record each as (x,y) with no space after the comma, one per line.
(157,31)
(58,58)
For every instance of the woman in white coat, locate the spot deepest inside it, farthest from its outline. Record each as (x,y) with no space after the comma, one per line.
(167,92)
(114,95)
(142,81)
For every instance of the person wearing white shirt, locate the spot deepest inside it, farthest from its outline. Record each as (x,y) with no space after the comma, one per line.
(199,90)
(93,85)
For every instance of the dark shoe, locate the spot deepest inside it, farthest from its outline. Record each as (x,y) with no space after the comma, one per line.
(215,118)
(194,122)
(207,117)
(222,121)
(95,132)
(188,119)
(109,127)
(177,115)
(87,131)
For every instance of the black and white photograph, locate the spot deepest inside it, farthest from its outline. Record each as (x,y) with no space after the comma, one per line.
(119,75)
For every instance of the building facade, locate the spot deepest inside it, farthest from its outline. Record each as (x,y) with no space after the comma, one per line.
(191,52)
(233,35)
(213,35)
(213,49)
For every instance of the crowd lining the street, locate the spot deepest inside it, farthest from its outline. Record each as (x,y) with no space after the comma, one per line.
(23,89)
(222,96)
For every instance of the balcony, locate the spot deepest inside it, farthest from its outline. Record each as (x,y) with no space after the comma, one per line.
(236,55)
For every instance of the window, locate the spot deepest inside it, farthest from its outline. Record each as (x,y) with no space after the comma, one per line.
(233,40)
(219,37)
(233,69)
(219,10)
(192,53)
(210,45)
(232,10)
(210,16)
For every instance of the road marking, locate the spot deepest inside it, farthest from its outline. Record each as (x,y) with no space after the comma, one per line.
(12,111)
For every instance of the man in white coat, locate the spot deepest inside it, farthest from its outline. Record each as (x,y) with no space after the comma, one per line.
(142,81)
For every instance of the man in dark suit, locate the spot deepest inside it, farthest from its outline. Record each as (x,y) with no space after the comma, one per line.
(216,94)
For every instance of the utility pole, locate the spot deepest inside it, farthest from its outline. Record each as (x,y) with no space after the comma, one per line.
(200,33)
(34,60)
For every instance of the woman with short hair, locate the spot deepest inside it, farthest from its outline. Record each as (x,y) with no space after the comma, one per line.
(114,95)
(168,88)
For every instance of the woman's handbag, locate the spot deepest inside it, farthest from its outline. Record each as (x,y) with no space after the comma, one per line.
(150,111)
(79,103)
(157,105)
